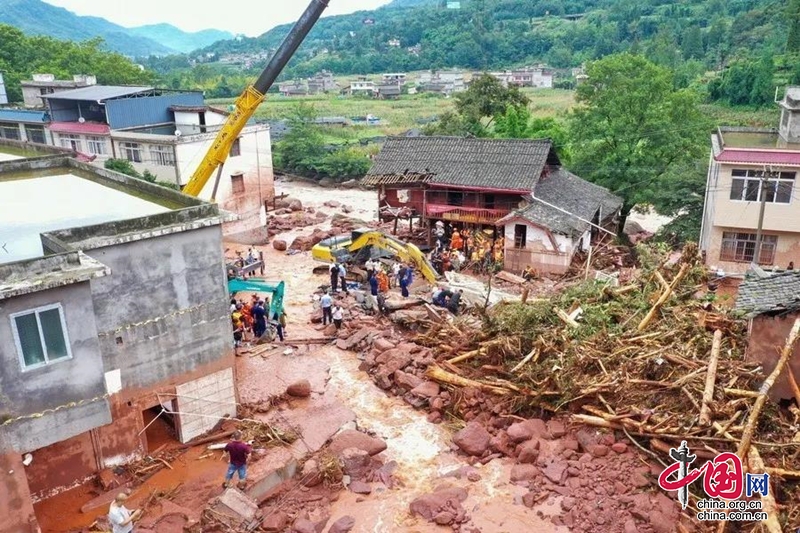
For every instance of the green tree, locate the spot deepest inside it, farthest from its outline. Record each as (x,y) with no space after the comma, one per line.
(486,97)
(793,36)
(450,124)
(303,146)
(632,129)
(123,166)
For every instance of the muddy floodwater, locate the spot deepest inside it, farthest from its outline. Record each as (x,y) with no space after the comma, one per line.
(32,205)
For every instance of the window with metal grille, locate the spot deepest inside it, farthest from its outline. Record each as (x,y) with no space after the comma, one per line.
(71,142)
(41,336)
(35,134)
(520,236)
(237,183)
(748,186)
(741,248)
(163,155)
(236,148)
(9,131)
(131,151)
(96,145)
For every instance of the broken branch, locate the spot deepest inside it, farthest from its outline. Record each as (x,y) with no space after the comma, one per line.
(711,378)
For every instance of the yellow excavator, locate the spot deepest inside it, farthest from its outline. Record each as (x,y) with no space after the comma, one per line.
(358,246)
(249,100)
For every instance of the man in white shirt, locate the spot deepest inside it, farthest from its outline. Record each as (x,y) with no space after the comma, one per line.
(370,268)
(338,316)
(121,518)
(326,302)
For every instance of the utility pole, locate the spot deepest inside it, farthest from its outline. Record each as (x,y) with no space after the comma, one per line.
(763,190)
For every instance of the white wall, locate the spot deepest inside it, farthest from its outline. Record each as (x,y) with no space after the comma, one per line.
(537,239)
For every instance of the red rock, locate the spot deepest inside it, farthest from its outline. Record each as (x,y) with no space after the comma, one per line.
(426,389)
(568,503)
(434,417)
(332,203)
(429,505)
(437,403)
(343,525)
(570,444)
(301,389)
(556,429)
(522,431)
(311,475)
(556,471)
(382,344)
(528,451)
(330,330)
(444,518)
(529,499)
(279,244)
(473,476)
(303,525)
(107,479)
(359,487)
(405,380)
(619,447)
(599,450)
(638,480)
(587,437)
(355,462)
(500,443)
(523,472)
(296,205)
(660,523)
(630,526)
(620,488)
(473,439)
(275,521)
(350,438)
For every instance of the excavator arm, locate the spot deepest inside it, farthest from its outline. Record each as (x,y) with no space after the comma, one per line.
(248,101)
(405,251)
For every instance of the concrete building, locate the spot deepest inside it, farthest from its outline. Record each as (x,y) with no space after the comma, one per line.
(394,77)
(538,77)
(748,166)
(114,308)
(293,88)
(362,87)
(442,82)
(26,125)
(47,84)
(322,82)
(389,91)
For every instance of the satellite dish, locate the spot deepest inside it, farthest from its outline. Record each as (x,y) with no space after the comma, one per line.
(81,120)
(178,133)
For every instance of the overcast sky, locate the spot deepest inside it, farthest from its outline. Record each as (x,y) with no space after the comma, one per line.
(251,17)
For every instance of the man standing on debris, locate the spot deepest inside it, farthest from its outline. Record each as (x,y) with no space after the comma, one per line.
(121,518)
(334,270)
(338,316)
(326,302)
(370,268)
(406,280)
(455,300)
(342,275)
(237,452)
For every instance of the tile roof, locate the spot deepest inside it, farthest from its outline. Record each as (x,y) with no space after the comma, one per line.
(23,115)
(500,164)
(769,293)
(97,93)
(759,157)
(576,196)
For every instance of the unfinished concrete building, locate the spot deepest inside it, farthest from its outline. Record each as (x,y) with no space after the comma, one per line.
(113,312)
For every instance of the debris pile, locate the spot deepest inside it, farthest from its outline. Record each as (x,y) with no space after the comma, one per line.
(652,362)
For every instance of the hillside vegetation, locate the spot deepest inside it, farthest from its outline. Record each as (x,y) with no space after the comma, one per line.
(691,36)
(22,55)
(35,17)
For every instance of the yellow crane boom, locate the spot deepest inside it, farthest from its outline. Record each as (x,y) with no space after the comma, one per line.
(249,100)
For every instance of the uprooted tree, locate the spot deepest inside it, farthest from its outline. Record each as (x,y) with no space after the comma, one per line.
(634,134)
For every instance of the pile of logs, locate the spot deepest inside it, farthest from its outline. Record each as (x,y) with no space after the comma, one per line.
(651,359)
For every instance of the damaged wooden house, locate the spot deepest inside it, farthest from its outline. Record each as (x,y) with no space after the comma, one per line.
(772,303)
(515,185)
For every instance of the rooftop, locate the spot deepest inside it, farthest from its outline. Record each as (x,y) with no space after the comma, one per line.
(769,293)
(23,115)
(98,93)
(501,164)
(754,146)
(792,98)
(42,273)
(579,198)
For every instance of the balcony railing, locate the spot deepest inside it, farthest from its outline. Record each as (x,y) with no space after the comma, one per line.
(470,215)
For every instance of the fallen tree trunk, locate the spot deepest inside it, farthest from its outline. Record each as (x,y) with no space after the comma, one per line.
(437,373)
(711,378)
(664,297)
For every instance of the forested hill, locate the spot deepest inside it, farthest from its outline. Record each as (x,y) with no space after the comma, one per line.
(696,34)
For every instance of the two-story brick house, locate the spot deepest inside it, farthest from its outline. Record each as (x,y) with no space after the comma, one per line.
(749,167)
